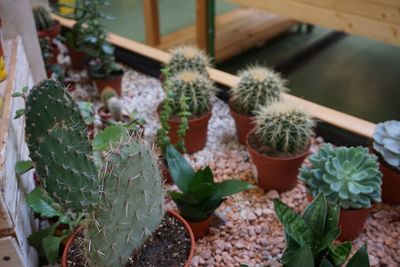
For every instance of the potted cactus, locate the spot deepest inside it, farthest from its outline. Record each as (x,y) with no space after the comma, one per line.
(279,144)
(386,145)
(311,237)
(121,199)
(199,195)
(349,177)
(45,25)
(257,86)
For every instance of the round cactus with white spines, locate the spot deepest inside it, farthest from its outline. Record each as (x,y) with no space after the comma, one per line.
(188,58)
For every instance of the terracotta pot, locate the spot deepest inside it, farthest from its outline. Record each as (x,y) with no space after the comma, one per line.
(64,259)
(196,135)
(244,124)
(51,32)
(113,81)
(351,222)
(78,58)
(276,173)
(390,183)
(200,229)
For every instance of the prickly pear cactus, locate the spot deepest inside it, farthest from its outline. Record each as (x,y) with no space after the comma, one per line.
(387,141)
(131,205)
(188,58)
(57,138)
(258,86)
(197,89)
(284,128)
(42,18)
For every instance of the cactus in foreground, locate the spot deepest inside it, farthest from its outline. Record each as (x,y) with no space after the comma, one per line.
(258,86)
(194,89)
(131,206)
(43,20)
(56,135)
(188,58)
(348,176)
(387,142)
(283,128)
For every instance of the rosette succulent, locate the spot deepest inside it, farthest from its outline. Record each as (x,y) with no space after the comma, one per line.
(387,142)
(348,176)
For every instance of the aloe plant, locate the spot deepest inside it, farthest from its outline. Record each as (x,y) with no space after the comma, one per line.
(310,237)
(200,195)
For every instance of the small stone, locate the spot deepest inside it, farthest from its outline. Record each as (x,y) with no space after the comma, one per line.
(272,194)
(206,254)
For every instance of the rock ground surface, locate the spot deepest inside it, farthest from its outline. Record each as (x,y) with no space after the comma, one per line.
(252,234)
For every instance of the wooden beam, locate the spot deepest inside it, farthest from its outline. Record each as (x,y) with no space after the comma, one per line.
(150,11)
(331,116)
(201,24)
(10,255)
(379,29)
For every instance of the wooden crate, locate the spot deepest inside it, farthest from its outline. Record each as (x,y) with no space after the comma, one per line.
(16,221)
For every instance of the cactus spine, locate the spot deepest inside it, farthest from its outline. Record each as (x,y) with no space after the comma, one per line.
(130,208)
(258,86)
(43,20)
(194,89)
(283,128)
(188,58)
(56,135)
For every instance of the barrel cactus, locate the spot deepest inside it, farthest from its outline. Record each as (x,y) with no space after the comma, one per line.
(197,89)
(188,58)
(42,18)
(285,129)
(348,176)
(387,142)
(258,86)
(106,94)
(111,103)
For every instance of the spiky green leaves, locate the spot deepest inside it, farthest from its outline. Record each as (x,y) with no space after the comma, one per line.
(188,58)
(57,138)
(258,86)
(283,128)
(347,176)
(131,205)
(387,142)
(194,89)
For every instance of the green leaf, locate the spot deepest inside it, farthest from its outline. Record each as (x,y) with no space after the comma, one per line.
(181,171)
(23,166)
(291,247)
(203,176)
(17,94)
(19,113)
(110,135)
(201,192)
(192,213)
(301,258)
(51,247)
(326,263)
(294,225)
(360,259)
(230,187)
(332,218)
(41,203)
(315,215)
(339,253)
(25,89)
(35,239)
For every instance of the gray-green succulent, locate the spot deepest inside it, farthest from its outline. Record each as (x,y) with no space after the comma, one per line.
(188,57)
(122,201)
(258,86)
(387,142)
(192,88)
(285,129)
(348,176)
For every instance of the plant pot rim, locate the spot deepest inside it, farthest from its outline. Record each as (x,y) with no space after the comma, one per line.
(112,76)
(237,114)
(283,158)
(64,258)
(51,32)
(191,120)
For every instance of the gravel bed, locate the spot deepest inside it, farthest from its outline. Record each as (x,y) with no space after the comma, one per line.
(251,233)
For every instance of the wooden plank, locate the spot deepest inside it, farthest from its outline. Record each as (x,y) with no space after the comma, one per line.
(151,21)
(10,254)
(329,18)
(201,24)
(331,116)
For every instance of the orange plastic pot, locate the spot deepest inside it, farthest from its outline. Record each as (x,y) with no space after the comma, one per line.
(200,229)
(244,124)
(351,222)
(390,183)
(78,58)
(196,135)
(276,173)
(113,81)
(64,259)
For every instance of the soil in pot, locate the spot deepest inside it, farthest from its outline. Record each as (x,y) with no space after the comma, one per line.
(274,170)
(196,135)
(170,245)
(244,124)
(113,81)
